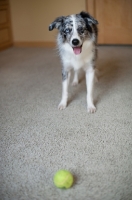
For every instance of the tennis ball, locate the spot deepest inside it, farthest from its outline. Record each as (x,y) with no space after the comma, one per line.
(63,179)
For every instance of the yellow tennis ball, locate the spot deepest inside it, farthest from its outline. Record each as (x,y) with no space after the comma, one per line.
(63,179)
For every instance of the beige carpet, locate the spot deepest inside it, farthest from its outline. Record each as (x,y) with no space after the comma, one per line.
(36,139)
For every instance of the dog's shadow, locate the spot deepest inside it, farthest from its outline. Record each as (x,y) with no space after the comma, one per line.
(109,73)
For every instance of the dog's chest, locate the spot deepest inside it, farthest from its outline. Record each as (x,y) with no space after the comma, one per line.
(77,61)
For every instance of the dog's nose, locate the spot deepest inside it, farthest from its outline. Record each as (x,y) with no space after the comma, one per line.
(75,42)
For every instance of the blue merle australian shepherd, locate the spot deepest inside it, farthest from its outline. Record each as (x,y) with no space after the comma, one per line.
(76,41)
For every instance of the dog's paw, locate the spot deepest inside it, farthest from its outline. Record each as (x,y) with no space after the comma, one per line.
(62,106)
(91,109)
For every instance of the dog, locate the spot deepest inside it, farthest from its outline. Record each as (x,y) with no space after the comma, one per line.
(77,44)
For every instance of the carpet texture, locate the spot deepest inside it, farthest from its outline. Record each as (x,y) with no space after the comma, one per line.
(36,139)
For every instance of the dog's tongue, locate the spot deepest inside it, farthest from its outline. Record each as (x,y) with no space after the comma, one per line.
(77,50)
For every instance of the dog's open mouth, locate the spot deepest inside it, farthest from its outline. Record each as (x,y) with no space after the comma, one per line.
(77,50)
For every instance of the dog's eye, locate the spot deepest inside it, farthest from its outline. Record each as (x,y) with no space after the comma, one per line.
(67,30)
(81,30)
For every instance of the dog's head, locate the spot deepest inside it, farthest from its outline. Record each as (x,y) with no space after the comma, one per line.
(75,29)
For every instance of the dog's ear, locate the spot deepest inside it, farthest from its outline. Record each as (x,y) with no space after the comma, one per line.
(89,18)
(56,23)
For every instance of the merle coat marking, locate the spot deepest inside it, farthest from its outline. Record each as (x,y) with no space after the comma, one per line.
(76,41)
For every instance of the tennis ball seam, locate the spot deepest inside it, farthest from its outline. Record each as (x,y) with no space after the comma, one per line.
(66,178)
(63,179)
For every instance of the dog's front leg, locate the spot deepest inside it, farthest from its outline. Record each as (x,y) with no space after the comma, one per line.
(75,79)
(65,84)
(90,84)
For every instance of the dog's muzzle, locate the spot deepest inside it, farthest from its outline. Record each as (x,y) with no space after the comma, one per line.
(77,49)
